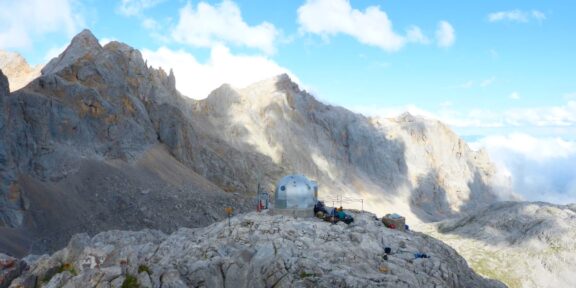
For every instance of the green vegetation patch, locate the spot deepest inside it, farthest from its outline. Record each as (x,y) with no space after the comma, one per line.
(144,268)
(485,267)
(64,267)
(130,282)
(305,274)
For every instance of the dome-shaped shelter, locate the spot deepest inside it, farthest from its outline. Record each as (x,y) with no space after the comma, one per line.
(296,195)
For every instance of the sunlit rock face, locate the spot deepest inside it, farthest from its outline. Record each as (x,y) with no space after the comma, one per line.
(17,70)
(412,165)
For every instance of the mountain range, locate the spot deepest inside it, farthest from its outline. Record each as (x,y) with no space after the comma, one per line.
(102,133)
(100,141)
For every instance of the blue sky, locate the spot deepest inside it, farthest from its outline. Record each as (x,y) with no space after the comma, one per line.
(495,71)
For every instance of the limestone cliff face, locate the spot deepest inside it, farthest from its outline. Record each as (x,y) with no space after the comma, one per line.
(447,176)
(410,164)
(102,141)
(90,145)
(17,70)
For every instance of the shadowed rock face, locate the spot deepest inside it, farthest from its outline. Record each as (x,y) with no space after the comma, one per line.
(83,151)
(101,141)
(259,250)
(10,199)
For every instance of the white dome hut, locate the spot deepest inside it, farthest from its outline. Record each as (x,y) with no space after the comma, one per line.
(295,195)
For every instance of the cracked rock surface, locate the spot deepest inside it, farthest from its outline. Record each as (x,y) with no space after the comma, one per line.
(259,250)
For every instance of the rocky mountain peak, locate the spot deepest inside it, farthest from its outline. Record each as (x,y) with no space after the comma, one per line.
(109,69)
(11,60)
(406,117)
(85,43)
(278,84)
(284,82)
(171,79)
(84,40)
(256,95)
(17,69)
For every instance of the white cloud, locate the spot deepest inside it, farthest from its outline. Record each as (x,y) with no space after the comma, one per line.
(482,84)
(446,104)
(414,34)
(541,169)
(516,16)
(207,25)
(533,149)
(104,41)
(135,7)
(570,96)
(528,117)
(515,95)
(540,16)
(467,85)
(150,24)
(488,82)
(493,53)
(371,26)
(445,35)
(21,22)
(559,116)
(54,52)
(197,80)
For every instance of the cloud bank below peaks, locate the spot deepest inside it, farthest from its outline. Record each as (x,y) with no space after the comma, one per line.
(540,169)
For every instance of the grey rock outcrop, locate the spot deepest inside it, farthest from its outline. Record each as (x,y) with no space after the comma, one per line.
(83,45)
(523,244)
(258,250)
(11,202)
(10,268)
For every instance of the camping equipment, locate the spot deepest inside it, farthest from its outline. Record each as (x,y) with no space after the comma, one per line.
(394,221)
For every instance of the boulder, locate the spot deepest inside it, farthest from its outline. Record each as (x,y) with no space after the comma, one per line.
(10,269)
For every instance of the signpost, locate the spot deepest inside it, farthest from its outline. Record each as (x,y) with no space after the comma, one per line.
(229,211)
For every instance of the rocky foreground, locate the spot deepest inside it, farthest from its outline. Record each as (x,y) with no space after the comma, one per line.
(523,244)
(255,250)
